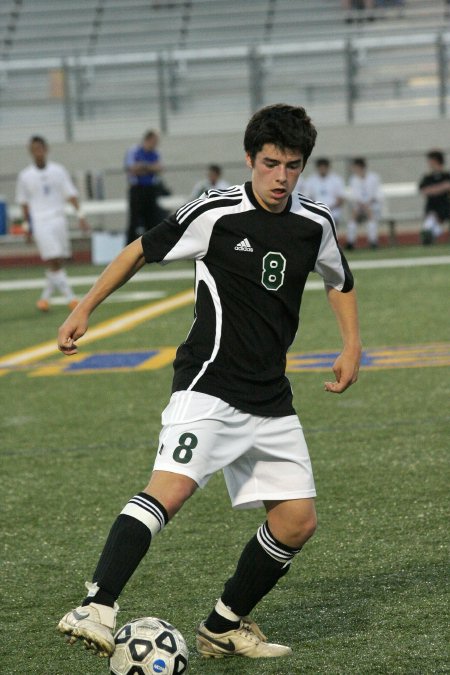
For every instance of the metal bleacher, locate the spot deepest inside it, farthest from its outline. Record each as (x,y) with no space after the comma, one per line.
(110,43)
(62,27)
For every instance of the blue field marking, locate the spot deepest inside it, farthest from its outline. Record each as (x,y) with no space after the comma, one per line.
(382,358)
(111,360)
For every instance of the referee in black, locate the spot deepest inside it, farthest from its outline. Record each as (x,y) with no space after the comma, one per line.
(143,167)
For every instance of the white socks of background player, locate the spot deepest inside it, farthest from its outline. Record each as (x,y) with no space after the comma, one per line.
(431,224)
(372,231)
(352,232)
(58,281)
(49,287)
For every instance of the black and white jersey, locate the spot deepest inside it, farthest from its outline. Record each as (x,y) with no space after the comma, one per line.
(251,269)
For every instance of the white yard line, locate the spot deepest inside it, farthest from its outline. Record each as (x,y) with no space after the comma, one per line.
(399,262)
(188,273)
(89,279)
(119,297)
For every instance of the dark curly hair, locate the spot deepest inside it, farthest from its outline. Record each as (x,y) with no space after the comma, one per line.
(286,126)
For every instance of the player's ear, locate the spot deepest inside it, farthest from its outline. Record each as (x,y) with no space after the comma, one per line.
(249,160)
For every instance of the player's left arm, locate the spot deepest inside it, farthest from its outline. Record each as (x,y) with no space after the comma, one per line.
(346,366)
(434,190)
(82,222)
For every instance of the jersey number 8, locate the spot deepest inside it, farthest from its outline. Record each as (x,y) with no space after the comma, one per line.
(274,265)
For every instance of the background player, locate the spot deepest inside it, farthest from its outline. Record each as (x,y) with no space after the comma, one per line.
(213,180)
(231,408)
(366,203)
(435,186)
(326,186)
(143,167)
(42,191)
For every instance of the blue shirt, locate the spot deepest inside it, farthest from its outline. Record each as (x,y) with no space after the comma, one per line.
(138,154)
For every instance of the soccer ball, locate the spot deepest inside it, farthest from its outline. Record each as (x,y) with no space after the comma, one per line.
(149,646)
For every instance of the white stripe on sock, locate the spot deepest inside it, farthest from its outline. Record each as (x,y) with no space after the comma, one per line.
(144,516)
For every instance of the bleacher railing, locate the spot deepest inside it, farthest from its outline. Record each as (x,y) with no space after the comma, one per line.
(340,80)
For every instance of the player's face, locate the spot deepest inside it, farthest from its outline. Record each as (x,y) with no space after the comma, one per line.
(150,143)
(38,151)
(434,165)
(275,173)
(359,170)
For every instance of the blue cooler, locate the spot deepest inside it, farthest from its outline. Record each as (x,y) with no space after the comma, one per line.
(3,216)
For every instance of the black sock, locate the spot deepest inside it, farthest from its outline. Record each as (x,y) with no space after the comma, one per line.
(217,623)
(263,562)
(127,543)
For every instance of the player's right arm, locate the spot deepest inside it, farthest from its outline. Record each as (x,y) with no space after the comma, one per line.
(122,268)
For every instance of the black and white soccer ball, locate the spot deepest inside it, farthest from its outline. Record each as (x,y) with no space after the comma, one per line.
(149,646)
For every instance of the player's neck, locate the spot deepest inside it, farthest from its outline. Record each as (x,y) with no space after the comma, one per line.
(41,164)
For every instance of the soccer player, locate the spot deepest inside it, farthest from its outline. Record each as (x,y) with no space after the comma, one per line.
(366,203)
(213,180)
(42,191)
(435,186)
(254,246)
(325,186)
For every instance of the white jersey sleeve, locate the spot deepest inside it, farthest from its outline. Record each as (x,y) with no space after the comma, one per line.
(69,189)
(331,263)
(186,234)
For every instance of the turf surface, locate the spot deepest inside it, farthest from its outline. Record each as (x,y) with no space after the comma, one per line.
(367,594)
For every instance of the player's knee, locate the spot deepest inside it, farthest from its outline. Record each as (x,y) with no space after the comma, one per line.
(302,530)
(295,530)
(171,490)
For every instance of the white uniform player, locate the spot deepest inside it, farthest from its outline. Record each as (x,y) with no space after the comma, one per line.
(327,187)
(42,190)
(367,203)
(213,181)
(46,191)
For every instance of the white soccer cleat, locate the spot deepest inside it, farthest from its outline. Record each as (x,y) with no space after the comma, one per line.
(93,624)
(242,641)
(254,628)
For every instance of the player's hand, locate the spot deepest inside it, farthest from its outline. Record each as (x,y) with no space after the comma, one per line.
(71,330)
(345,369)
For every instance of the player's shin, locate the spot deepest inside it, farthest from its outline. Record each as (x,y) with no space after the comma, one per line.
(127,543)
(263,562)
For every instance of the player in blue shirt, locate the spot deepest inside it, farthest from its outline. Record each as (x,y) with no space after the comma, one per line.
(143,167)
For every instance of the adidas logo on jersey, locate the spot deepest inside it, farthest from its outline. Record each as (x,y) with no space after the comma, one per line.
(244,245)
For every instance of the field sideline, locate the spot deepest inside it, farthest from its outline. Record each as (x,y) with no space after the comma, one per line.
(367,594)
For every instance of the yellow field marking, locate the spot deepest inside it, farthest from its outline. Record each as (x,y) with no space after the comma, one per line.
(120,324)
(166,355)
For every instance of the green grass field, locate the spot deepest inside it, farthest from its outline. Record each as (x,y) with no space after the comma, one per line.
(368,593)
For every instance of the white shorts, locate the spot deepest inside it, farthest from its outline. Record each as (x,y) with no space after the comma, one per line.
(263,458)
(52,239)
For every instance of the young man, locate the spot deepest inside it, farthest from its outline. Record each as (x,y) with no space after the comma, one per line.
(231,408)
(143,168)
(42,191)
(366,203)
(325,186)
(435,186)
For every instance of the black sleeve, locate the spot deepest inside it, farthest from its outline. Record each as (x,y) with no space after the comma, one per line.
(425,181)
